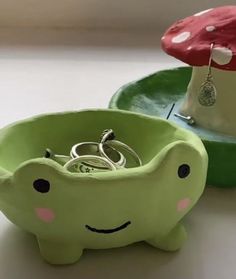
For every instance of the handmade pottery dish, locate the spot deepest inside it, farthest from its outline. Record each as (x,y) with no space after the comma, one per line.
(69,212)
(161,94)
(201,100)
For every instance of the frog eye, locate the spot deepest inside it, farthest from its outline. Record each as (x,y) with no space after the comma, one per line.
(41,185)
(183,171)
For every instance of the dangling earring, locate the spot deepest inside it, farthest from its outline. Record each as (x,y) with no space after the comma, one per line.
(207,95)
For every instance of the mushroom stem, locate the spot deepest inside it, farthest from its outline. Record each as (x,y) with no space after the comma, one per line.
(221,116)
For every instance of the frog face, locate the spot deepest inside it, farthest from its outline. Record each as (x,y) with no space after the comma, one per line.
(183,173)
(111,210)
(71,211)
(56,205)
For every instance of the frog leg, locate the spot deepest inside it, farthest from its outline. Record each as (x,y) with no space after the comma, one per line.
(60,252)
(172,241)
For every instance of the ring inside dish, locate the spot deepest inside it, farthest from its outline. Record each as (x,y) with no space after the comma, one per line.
(29,139)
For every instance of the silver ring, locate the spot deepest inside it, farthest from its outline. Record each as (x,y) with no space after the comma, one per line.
(80,164)
(107,134)
(61,159)
(92,148)
(118,144)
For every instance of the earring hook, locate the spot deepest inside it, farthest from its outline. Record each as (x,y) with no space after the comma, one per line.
(207,95)
(210,58)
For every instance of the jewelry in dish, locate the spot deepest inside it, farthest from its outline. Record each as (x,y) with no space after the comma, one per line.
(119,145)
(92,148)
(89,163)
(108,140)
(61,159)
(96,156)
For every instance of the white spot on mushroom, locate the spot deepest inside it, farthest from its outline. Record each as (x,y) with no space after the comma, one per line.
(182,37)
(190,47)
(210,28)
(163,38)
(203,12)
(222,55)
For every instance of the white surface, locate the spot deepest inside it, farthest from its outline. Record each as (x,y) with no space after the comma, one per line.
(43,71)
(48,71)
(209,252)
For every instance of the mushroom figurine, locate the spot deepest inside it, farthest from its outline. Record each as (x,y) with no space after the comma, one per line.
(207,42)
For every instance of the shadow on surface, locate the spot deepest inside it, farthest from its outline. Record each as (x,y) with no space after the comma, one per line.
(207,226)
(20,258)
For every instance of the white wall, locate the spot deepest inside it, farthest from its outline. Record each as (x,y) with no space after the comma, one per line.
(138,14)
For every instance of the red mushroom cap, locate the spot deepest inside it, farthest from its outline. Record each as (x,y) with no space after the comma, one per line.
(190,39)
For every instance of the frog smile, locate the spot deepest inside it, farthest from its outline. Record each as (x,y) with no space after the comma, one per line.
(125,225)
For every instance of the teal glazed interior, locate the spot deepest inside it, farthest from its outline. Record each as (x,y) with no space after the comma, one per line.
(69,212)
(155,95)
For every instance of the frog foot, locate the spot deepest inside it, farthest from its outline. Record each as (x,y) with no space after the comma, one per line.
(58,252)
(171,242)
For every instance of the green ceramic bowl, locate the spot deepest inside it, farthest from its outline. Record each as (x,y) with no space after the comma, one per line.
(155,95)
(69,212)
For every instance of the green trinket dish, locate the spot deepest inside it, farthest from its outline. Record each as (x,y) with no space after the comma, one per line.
(161,94)
(69,212)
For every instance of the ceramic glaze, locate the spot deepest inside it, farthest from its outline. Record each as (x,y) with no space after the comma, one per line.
(69,212)
(221,116)
(203,40)
(163,94)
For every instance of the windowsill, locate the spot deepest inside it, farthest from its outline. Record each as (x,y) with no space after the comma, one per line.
(55,70)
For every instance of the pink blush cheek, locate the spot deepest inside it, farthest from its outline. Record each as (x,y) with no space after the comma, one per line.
(183,204)
(45,214)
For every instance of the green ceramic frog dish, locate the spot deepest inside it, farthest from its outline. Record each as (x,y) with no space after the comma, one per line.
(162,94)
(69,212)
(201,99)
